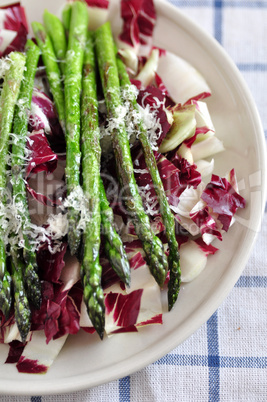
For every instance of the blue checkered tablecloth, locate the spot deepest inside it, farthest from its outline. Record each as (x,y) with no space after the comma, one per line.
(226,359)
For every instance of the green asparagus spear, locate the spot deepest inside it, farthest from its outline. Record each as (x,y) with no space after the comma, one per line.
(91,153)
(21,304)
(52,69)
(20,128)
(66,15)
(113,243)
(9,98)
(56,31)
(73,86)
(167,216)
(152,245)
(5,282)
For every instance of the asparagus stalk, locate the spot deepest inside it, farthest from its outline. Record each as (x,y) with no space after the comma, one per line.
(66,15)
(113,243)
(167,216)
(9,98)
(73,86)
(21,304)
(152,245)
(52,69)
(91,269)
(5,282)
(56,32)
(20,128)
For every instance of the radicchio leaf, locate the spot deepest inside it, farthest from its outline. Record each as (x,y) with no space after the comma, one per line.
(98,3)
(30,366)
(42,158)
(128,308)
(109,276)
(206,222)
(221,197)
(15,351)
(176,175)
(218,203)
(43,116)
(51,265)
(124,308)
(208,249)
(188,174)
(59,313)
(169,103)
(139,18)
(12,18)
(152,101)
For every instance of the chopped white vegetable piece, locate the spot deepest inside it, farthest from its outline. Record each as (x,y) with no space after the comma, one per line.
(193,260)
(147,74)
(205,168)
(206,148)
(38,350)
(186,153)
(203,119)
(6,37)
(11,333)
(190,83)
(97,17)
(183,127)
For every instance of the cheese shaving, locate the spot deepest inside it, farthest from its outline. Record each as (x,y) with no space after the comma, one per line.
(144,114)
(150,202)
(124,117)
(4,65)
(130,117)
(57,224)
(79,202)
(151,124)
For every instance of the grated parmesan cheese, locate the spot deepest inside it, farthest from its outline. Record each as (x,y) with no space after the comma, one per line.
(150,202)
(123,115)
(130,117)
(79,202)
(151,124)
(4,65)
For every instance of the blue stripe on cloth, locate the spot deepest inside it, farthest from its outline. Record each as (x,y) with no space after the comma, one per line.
(196,3)
(208,3)
(183,360)
(213,361)
(213,358)
(251,282)
(218,20)
(243,362)
(124,389)
(259,67)
(36,399)
(245,4)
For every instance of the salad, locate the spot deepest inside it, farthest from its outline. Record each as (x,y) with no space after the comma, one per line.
(108,187)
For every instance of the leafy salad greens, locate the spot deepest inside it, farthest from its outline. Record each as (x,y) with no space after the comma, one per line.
(108,190)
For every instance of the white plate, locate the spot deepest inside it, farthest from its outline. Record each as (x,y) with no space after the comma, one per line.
(85,361)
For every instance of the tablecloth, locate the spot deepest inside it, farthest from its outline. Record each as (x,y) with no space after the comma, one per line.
(226,359)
